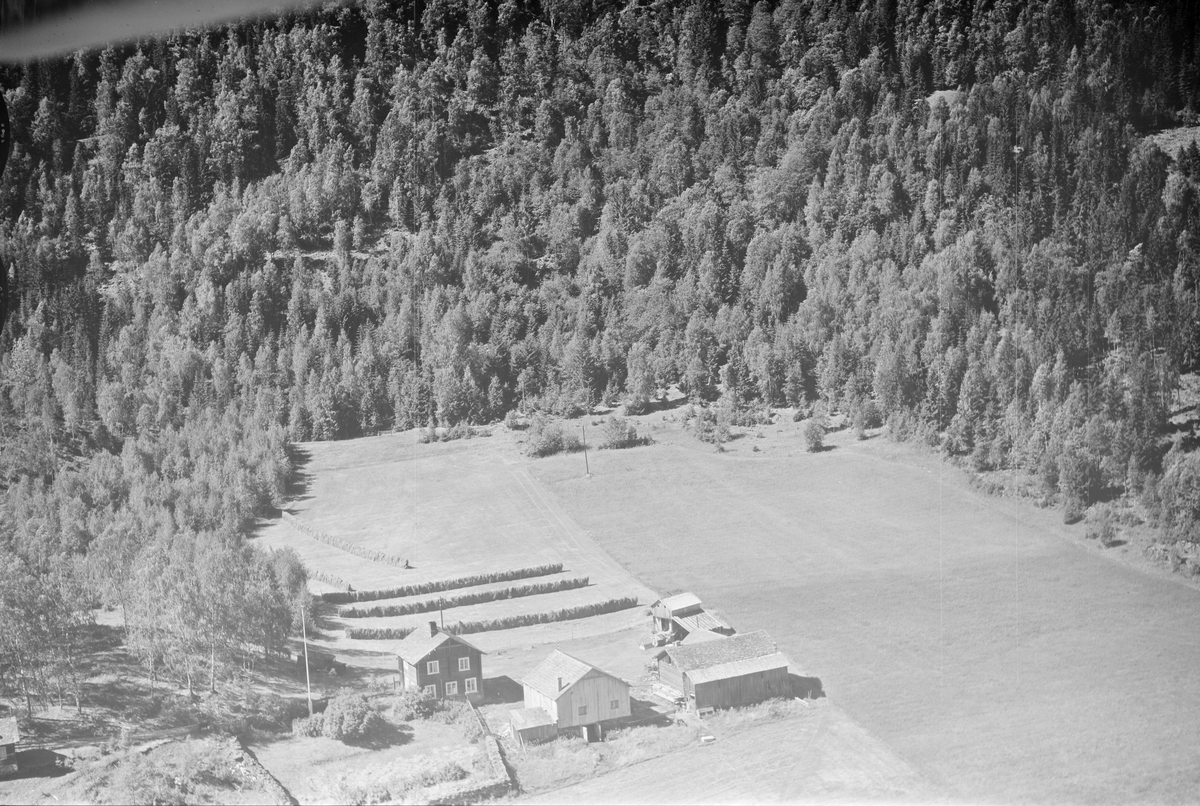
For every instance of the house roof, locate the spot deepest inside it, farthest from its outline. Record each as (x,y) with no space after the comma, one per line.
(522,718)
(559,665)
(417,645)
(737,668)
(9,734)
(701,636)
(743,646)
(680,601)
(700,621)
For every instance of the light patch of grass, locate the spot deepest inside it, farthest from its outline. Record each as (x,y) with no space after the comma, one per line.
(733,720)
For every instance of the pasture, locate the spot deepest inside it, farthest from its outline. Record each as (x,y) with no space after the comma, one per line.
(976,637)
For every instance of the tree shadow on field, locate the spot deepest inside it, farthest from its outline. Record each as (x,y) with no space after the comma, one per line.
(299,480)
(809,688)
(385,735)
(502,689)
(824,449)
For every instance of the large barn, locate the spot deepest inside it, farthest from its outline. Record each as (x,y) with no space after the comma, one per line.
(735,670)
(574,693)
(675,617)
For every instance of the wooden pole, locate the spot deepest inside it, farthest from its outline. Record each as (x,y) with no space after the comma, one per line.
(586,469)
(307,679)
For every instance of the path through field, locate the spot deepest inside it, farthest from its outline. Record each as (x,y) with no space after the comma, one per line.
(969,634)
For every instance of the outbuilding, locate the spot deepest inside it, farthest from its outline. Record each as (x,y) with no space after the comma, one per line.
(735,670)
(10,735)
(441,664)
(675,617)
(575,694)
(531,725)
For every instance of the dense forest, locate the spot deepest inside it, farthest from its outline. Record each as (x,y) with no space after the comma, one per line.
(940,216)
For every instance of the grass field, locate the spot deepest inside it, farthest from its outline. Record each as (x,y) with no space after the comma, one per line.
(975,637)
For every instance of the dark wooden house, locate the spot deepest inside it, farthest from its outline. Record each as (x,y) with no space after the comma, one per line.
(10,735)
(731,671)
(441,664)
(675,617)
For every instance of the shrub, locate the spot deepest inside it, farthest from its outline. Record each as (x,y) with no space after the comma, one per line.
(459,430)
(409,705)
(620,433)
(309,726)
(514,423)
(439,585)
(712,426)
(503,623)
(548,437)
(1101,524)
(478,597)
(814,435)
(349,716)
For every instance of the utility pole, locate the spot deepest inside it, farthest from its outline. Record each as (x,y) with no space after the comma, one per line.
(307,679)
(586,469)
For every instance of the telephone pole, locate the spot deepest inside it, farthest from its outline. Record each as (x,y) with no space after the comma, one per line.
(307,679)
(586,469)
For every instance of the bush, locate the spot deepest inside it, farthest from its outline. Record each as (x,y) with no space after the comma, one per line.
(409,705)
(503,623)
(712,426)
(1101,525)
(547,437)
(814,435)
(514,423)
(349,716)
(310,726)
(620,433)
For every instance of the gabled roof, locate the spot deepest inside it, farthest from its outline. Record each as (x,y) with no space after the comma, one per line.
(559,665)
(737,668)
(680,601)
(417,645)
(700,621)
(9,734)
(743,646)
(522,718)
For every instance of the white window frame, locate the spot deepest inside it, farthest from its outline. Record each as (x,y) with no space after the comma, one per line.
(431,690)
(464,664)
(432,667)
(451,688)
(471,686)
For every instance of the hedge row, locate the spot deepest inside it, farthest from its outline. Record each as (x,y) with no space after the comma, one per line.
(505,623)
(462,599)
(328,579)
(344,545)
(437,586)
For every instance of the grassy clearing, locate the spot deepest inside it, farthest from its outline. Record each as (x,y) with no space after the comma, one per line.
(973,635)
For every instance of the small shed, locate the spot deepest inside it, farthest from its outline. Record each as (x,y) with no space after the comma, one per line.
(682,614)
(532,725)
(734,670)
(575,693)
(10,736)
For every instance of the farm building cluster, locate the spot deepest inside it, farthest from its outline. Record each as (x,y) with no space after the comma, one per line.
(703,664)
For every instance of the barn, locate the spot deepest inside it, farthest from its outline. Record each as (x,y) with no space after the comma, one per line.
(575,694)
(682,614)
(9,736)
(441,664)
(531,725)
(731,671)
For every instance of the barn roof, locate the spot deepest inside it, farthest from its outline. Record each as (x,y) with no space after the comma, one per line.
(680,601)
(737,668)
(523,718)
(9,734)
(559,665)
(701,636)
(743,646)
(417,645)
(701,621)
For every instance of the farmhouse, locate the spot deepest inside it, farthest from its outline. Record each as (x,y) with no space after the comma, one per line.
(441,664)
(9,736)
(574,693)
(736,670)
(677,616)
